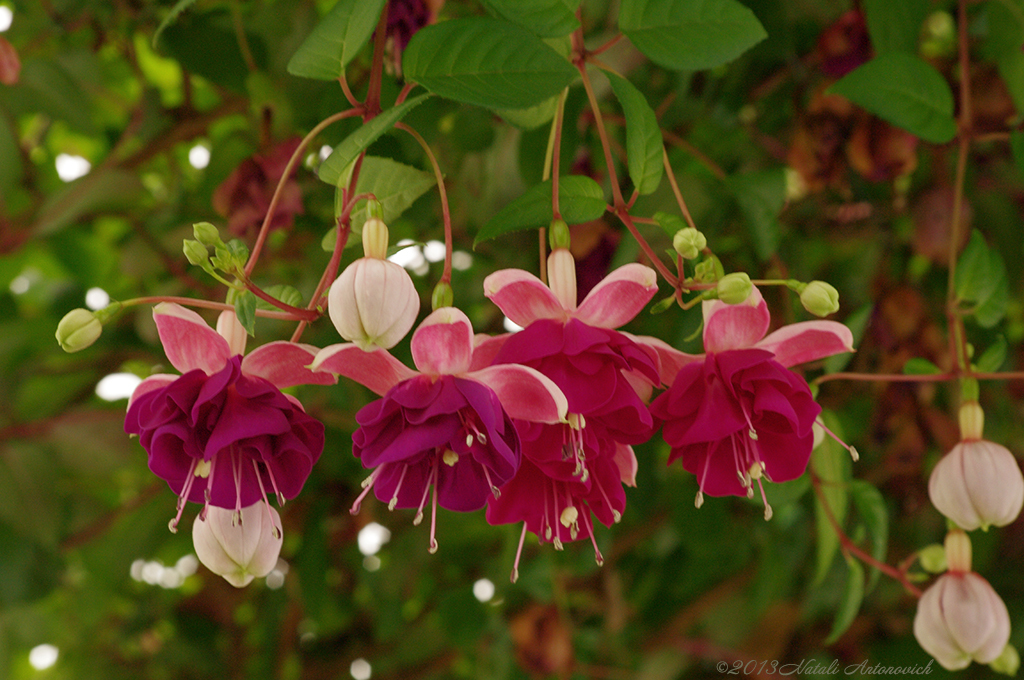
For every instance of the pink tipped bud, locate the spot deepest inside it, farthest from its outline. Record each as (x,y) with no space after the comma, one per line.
(238,546)
(978,484)
(562,277)
(961,619)
(373,303)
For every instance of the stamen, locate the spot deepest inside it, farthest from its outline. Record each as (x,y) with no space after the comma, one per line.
(519,551)
(598,557)
(482,438)
(752,434)
(394,499)
(201,468)
(616,515)
(558,531)
(854,455)
(768,512)
(367,484)
(263,491)
(699,500)
(185,489)
(450,458)
(487,476)
(273,483)
(423,501)
(569,516)
(469,440)
(433,515)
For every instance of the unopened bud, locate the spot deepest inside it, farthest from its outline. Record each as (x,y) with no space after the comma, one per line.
(375,239)
(562,277)
(960,619)
(734,288)
(558,234)
(977,484)
(1007,663)
(820,298)
(239,548)
(196,253)
(443,296)
(78,329)
(972,420)
(958,551)
(689,243)
(373,303)
(933,558)
(206,234)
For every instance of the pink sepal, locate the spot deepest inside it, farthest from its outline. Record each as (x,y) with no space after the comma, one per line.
(625,461)
(806,341)
(377,370)
(443,344)
(153,382)
(640,384)
(524,392)
(619,296)
(485,348)
(188,341)
(667,358)
(229,328)
(522,296)
(735,326)
(284,364)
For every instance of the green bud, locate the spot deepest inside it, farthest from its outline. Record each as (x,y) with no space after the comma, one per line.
(558,234)
(734,288)
(689,243)
(933,558)
(196,253)
(78,329)
(206,234)
(443,296)
(704,271)
(1007,663)
(820,298)
(375,239)
(374,209)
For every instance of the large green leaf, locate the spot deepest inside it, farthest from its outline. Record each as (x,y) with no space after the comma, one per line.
(895,26)
(1004,45)
(761,196)
(849,605)
(336,165)
(904,90)
(580,199)
(336,39)
(644,148)
(874,513)
(831,463)
(981,280)
(545,18)
(690,34)
(486,62)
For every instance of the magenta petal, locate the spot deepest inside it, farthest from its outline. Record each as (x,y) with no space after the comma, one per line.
(284,364)
(153,382)
(377,370)
(524,392)
(739,326)
(188,341)
(619,296)
(806,341)
(666,357)
(522,296)
(443,343)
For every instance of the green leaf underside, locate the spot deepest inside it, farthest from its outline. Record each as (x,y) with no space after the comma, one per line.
(904,90)
(643,135)
(895,26)
(544,18)
(690,34)
(336,165)
(849,605)
(874,514)
(336,40)
(580,199)
(486,62)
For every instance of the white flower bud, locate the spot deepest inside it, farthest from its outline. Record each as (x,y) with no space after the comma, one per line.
(78,329)
(961,619)
(373,303)
(238,547)
(978,484)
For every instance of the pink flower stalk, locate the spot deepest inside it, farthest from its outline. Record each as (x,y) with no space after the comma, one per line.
(446,427)
(736,415)
(222,433)
(575,468)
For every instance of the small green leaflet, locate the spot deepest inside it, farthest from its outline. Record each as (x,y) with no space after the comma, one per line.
(981,281)
(853,595)
(690,35)
(336,165)
(286,294)
(874,514)
(919,366)
(993,357)
(245,310)
(832,465)
(580,199)
(334,42)
(544,18)
(904,90)
(487,62)
(644,148)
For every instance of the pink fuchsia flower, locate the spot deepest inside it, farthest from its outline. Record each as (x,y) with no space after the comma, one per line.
(596,368)
(446,427)
(222,433)
(736,414)
(238,545)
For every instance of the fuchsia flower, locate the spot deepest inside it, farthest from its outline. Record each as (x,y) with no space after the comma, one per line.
(736,414)
(446,427)
(573,469)
(223,432)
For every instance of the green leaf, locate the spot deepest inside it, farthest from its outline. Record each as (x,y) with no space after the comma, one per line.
(919,366)
(544,18)
(171,17)
(487,62)
(245,310)
(336,166)
(532,117)
(396,186)
(1004,45)
(874,514)
(336,39)
(993,357)
(904,90)
(1017,146)
(644,148)
(853,595)
(831,463)
(981,279)
(580,199)
(895,26)
(761,196)
(992,310)
(671,223)
(689,35)
(286,294)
